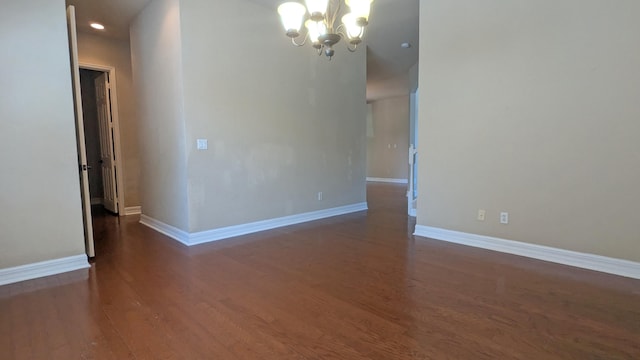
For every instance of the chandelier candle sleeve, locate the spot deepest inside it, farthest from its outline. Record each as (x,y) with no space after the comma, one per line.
(323,29)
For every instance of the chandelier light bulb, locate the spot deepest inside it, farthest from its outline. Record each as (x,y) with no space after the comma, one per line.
(292,14)
(317,9)
(360,10)
(353,30)
(323,27)
(316,29)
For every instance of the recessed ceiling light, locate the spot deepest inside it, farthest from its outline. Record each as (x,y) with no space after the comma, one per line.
(97,26)
(405,45)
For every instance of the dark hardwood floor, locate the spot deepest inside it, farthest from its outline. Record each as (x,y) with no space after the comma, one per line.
(358,286)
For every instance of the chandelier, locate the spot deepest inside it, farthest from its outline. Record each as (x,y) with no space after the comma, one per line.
(322,30)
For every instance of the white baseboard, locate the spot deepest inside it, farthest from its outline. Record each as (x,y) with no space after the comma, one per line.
(388,180)
(42,269)
(573,258)
(171,231)
(190,239)
(96,201)
(133,210)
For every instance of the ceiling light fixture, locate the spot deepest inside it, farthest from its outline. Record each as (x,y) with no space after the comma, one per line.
(322,30)
(97,26)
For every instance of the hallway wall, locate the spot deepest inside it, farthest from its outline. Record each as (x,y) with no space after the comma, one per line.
(99,50)
(388,142)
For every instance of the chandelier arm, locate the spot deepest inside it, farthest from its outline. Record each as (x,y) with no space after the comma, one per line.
(342,31)
(355,47)
(334,15)
(293,41)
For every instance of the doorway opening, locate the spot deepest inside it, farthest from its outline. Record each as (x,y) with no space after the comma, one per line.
(97,85)
(108,140)
(100,138)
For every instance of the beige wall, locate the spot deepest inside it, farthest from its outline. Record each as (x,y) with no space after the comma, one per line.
(40,210)
(532,108)
(388,143)
(282,123)
(394,86)
(157,69)
(98,50)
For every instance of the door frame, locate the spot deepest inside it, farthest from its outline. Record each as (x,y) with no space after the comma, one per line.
(111,71)
(412,192)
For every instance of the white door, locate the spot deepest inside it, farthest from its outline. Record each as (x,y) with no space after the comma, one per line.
(107,159)
(82,153)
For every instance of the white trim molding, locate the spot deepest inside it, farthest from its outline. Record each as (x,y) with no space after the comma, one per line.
(190,239)
(42,269)
(171,231)
(603,264)
(132,210)
(388,180)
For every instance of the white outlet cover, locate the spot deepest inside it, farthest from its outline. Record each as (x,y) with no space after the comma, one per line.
(504,218)
(202,144)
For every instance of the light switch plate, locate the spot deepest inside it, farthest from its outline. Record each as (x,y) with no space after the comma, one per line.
(202,144)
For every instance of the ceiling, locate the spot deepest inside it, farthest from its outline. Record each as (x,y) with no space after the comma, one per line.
(391,23)
(115,15)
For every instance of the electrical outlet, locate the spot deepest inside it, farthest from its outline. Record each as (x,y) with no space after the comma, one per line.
(481,214)
(319,195)
(202,144)
(504,218)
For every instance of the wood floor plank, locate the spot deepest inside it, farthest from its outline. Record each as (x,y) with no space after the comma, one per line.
(358,286)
